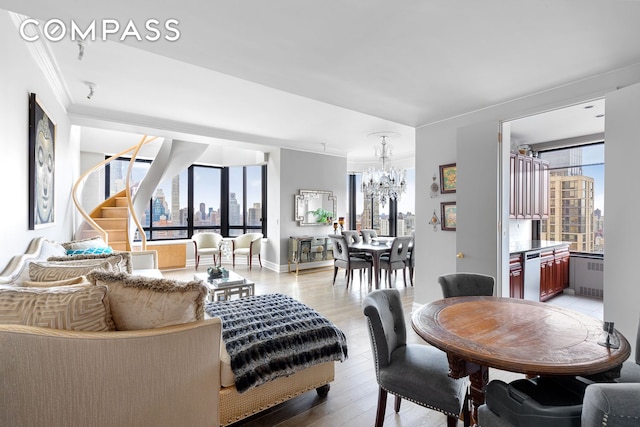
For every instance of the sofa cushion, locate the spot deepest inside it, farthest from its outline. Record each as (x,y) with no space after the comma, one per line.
(53,271)
(121,260)
(139,302)
(78,307)
(80,280)
(91,242)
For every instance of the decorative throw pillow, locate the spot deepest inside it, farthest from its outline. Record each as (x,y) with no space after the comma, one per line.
(121,260)
(78,308)
(139,302)
(91,242)
(51,271)
(91,251)
(80,280)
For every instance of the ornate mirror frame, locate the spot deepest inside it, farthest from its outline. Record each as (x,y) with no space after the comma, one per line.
(315,207)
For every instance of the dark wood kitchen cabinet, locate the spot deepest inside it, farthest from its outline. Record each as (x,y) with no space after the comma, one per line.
(529,187)
(554,271)
(516,279)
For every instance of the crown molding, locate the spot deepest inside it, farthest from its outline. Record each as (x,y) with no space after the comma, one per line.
(43,55)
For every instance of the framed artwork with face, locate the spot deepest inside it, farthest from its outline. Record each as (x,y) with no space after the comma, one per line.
(42,142)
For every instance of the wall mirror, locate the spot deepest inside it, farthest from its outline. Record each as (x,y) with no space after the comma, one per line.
(315,207)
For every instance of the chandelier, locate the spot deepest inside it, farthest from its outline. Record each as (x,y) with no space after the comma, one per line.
(384,183)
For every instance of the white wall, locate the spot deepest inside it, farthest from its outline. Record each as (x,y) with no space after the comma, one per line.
(20,75)
(307,171)
(435,145)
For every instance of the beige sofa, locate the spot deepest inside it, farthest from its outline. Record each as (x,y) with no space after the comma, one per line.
(71,359)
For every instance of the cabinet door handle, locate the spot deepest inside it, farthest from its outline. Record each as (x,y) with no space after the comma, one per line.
(459,255)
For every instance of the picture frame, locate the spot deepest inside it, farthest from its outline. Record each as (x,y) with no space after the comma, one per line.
(42,141)
(448,216)
(448,178)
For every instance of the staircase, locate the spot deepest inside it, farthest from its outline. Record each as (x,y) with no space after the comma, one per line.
(115,218)
(112,216)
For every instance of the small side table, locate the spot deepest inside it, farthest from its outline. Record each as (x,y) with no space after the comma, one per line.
(224,292)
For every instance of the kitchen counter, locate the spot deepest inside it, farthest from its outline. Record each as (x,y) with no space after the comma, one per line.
(533,245)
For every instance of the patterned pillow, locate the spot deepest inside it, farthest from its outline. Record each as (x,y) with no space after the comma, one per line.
(80,280)
(91,251)
(51,271)
(78,308)
(91,242)
(139,302)
(120,260)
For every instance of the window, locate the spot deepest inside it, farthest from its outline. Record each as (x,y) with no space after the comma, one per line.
(369,214)
(229,201)
(576,176)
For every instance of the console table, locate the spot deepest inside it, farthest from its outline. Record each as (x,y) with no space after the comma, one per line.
(308,249)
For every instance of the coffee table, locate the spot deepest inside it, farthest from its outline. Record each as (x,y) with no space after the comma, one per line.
(224,289)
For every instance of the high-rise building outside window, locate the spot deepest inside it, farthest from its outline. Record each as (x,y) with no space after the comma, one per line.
(576,197)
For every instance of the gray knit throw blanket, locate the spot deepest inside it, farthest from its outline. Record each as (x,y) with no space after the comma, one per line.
(274,335)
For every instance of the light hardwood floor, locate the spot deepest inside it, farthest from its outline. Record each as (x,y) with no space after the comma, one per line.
(353,396)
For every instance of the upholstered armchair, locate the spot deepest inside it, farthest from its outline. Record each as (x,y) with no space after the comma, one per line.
(466,284)
(207,243)
(248,245)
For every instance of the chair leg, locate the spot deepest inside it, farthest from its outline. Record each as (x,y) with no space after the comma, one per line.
(197,261)
(233,260)
(382,406)
(397,405)
(249,261)
(404,276)
(335,273)
(214,260)
(260,260)
(411,275)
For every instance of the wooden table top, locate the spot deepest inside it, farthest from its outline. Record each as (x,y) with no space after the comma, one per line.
(518,335)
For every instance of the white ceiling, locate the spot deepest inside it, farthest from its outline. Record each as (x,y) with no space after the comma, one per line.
(322,76)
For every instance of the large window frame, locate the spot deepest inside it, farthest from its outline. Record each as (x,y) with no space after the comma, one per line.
(224,227)
(571,219)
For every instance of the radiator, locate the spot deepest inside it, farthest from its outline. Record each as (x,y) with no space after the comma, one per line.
(586,275)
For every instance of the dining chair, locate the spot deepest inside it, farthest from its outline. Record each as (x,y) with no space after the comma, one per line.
(630,372)
(249,245)
(396,258)
(611,405)
(410,262)
(466,284)
(416,372)
(343,259)
(206,243)
(368,235)
(352,236)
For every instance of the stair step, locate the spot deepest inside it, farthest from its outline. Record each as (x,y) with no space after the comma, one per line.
(115,212)
(112,223)
(121,201)
(118,246)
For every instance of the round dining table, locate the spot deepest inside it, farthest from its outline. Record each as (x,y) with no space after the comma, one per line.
(515,335)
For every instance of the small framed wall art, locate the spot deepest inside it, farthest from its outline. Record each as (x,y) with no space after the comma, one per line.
(448,174)
(42,142)
(448,218)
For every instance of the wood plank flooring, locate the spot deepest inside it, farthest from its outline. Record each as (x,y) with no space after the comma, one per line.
(353,397)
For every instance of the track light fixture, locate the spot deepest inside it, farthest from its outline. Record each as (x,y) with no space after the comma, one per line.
(80,50)
(92,89)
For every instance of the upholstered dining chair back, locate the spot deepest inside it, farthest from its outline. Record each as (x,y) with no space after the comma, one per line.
(630,372)
(340,247)
(342,258)
(466,284)
(206,243)
(397,257)
(416,372)
(368,235)
(352,237)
